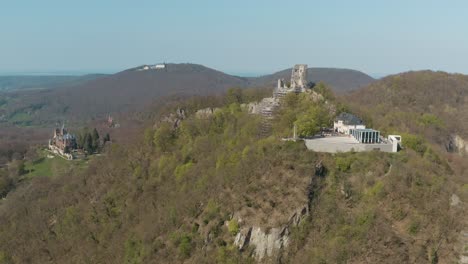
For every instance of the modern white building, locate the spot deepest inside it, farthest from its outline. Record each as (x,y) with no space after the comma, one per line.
(345,122)
(396,142)
(353,136)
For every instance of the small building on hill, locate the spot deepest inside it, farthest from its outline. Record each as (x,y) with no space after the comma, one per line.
(345,122)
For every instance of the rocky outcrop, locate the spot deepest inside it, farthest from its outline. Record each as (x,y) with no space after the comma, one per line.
(269,242)
(205,113)
(173,118)
(457,144)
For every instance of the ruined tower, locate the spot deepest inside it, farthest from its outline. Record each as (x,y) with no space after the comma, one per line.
(299,77)
(298,82)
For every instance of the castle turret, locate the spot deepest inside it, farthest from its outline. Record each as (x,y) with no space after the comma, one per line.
(299,77)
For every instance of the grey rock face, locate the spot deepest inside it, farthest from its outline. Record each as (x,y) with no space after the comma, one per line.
(269,243)
(457,144)
(454,200)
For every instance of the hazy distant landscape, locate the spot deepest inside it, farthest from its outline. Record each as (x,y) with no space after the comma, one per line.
(25,82)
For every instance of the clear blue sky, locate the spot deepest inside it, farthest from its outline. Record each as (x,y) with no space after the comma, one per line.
(236,36)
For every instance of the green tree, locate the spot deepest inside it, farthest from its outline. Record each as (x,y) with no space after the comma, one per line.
(106,138)
(234,95)
(311,121)
(95,140)
(6,184)
(307,126)
(134,251)
(81,138)
(16,168)
(325,91)
(291,100)
(233,227)
(414,142)
(185,246)
(5,258)
(163,137)
(88,143)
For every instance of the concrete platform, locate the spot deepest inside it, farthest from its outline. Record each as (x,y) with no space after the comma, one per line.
(334,144)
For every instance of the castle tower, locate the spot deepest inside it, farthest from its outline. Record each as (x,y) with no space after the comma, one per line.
(299,77)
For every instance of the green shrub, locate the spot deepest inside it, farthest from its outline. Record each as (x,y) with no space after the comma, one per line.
(183,242)
(414,142)
(163,137)
(5,258)
(233,227)
(431,120)
(134,251)
(414,227)
(343,163)
(375,190)
(181,170)
(325,91)
(211,210)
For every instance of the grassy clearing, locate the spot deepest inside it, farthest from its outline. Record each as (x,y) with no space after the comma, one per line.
(50,165)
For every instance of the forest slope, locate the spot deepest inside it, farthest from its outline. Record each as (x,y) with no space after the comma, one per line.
(432,104)
(181,196)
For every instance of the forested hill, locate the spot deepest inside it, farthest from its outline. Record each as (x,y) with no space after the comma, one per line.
(133,89)
(186,193)
(125,91)
(432,104)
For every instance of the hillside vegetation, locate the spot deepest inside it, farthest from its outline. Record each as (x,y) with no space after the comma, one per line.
(432,104)
(181,195)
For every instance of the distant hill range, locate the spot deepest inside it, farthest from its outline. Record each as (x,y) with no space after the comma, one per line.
(131,89)
(23,82)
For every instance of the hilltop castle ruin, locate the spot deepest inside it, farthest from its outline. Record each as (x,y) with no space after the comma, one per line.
(298,82)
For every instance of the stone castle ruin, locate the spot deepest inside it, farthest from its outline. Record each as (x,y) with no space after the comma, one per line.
(298,82)
(267,106)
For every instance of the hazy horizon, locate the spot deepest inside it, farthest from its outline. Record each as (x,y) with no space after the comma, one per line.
(85,72)
(242,74)
(235,37)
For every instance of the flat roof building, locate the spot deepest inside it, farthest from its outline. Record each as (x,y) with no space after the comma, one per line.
(365,135)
